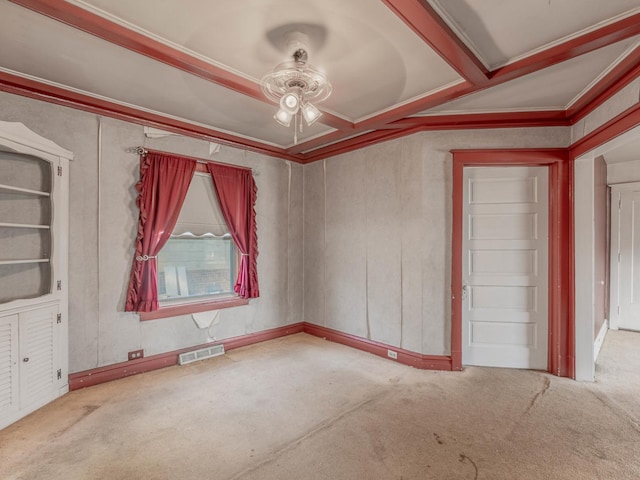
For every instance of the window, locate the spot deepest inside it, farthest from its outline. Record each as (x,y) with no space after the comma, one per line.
(192,267)
(197,265)
(175,203)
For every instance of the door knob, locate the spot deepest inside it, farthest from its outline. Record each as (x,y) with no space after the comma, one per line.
(25,359)
(464,290)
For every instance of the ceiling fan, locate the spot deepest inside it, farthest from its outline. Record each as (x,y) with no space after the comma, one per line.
(296,85)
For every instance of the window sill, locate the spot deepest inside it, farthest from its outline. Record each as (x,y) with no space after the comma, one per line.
(195,307)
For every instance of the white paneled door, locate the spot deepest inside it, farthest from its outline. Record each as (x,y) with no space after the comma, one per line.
(629,259)
(505,267)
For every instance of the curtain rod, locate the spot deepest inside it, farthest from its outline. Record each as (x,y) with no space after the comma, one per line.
(139,150)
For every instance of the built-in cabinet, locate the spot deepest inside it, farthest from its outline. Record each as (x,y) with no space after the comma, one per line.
(34,216)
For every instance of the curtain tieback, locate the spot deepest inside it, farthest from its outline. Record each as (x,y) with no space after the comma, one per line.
(144,258)
(244,254)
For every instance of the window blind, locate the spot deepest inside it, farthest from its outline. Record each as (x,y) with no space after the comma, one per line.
(200,214)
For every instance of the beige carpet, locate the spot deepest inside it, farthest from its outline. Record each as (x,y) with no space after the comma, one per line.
(303,408)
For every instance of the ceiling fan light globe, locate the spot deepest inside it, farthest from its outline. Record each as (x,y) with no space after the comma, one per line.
(310,113)
(290,103)
(283,117)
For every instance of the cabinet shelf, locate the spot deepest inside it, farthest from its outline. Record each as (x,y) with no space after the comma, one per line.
(26,191)
(26,260)
(24,225)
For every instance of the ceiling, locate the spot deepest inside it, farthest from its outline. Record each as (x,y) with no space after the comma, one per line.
(625,148)
(396,66)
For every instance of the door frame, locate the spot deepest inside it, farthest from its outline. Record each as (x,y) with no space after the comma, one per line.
(561,356)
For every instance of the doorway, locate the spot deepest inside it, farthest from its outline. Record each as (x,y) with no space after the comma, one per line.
(505,267)
(625,264)
(560,338)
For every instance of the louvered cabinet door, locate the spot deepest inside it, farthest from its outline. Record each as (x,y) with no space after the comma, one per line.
(38,356)
(8,368)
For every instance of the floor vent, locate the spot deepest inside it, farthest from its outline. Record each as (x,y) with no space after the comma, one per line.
(190,357)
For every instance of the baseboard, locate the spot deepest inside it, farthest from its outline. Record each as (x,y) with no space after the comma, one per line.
(406,357)
(597,344)
(115,371)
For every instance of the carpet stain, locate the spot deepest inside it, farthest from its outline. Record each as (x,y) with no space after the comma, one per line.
(86,411)
(462,459)
(437,437)
(617,410)
(323,425)
(545,388)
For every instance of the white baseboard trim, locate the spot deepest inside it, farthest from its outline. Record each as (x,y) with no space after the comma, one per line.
(597,345)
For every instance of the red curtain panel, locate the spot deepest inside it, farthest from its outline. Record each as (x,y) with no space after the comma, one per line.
(236,191)
(163,185)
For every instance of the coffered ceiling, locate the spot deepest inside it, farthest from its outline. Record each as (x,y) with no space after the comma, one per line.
(397,66)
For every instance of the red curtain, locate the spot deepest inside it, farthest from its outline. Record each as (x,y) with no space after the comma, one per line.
(163,185)
(236,191)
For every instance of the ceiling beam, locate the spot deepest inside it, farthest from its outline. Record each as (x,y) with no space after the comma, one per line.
(60,96)
(615,80)
(112,32)
(536,118)
(334,121)
(410,125)
(356,143)
(427,24)
(93,24)
(394,123)
(383,119)
(618,125)
(585,43)
(588,42)
(319,142)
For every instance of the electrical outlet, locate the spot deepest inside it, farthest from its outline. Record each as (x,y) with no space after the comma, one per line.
(136,354)
(392,354)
